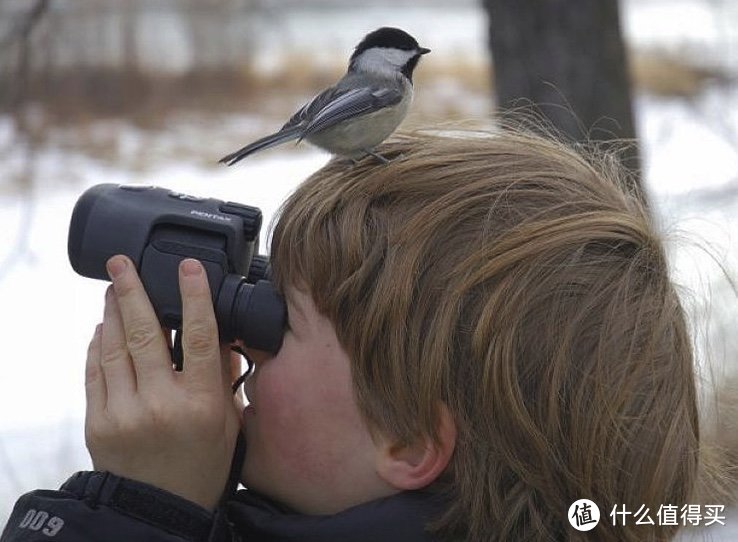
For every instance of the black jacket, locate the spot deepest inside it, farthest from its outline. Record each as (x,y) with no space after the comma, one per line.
(101,507)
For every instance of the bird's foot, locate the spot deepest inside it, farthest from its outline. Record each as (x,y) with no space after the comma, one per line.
(378,156)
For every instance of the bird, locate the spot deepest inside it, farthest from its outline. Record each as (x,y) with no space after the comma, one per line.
(362,109)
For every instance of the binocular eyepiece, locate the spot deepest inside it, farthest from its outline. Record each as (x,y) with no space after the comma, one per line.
(157,228)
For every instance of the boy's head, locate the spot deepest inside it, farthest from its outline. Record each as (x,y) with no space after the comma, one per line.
(506,283)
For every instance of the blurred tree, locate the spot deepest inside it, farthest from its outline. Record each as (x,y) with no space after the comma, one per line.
(566,60)
(18,40)
(15,68)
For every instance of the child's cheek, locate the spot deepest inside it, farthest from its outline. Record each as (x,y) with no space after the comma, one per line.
(284,420)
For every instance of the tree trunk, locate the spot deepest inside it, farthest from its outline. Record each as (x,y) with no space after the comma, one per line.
(566,60)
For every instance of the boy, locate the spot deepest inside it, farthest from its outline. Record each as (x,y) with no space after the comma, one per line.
(480,333)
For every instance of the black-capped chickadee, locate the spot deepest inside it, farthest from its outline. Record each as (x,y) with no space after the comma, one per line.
(363,108)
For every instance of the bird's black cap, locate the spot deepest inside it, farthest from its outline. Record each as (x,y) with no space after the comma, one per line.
(386,37)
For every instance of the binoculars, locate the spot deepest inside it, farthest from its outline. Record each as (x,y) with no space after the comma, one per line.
(158,228)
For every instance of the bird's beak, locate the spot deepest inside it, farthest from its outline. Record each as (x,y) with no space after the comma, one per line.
(423,51)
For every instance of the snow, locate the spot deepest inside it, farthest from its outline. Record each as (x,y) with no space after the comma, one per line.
(48,313)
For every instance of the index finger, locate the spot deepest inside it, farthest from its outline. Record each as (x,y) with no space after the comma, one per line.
(200,343)
(143,335)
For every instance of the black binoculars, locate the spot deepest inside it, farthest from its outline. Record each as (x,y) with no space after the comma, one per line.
(158,228)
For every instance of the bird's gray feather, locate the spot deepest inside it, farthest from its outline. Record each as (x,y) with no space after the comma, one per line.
(352,104)
(285,134)
(340,103)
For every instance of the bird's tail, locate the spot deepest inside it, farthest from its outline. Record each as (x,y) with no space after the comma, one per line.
(260,144)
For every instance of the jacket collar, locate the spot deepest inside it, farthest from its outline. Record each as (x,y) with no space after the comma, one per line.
(402,517)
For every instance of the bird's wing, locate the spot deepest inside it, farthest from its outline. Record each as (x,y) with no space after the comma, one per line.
(310,109)
(335,105)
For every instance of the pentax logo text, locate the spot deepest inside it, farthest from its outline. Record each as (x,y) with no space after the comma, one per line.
(211,216)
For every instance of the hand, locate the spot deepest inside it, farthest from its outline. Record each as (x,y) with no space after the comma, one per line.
(144,421)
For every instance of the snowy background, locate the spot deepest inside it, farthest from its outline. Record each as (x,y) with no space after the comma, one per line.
(688,135)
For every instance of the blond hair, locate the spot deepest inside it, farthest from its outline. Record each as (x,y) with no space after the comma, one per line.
(511,279)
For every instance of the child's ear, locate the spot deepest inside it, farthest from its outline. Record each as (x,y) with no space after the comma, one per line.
(417,465)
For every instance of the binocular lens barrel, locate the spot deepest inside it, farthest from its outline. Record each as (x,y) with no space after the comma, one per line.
(253,313)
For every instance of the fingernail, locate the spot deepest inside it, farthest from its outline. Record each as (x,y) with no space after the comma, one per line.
(191,268)
(116,266)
